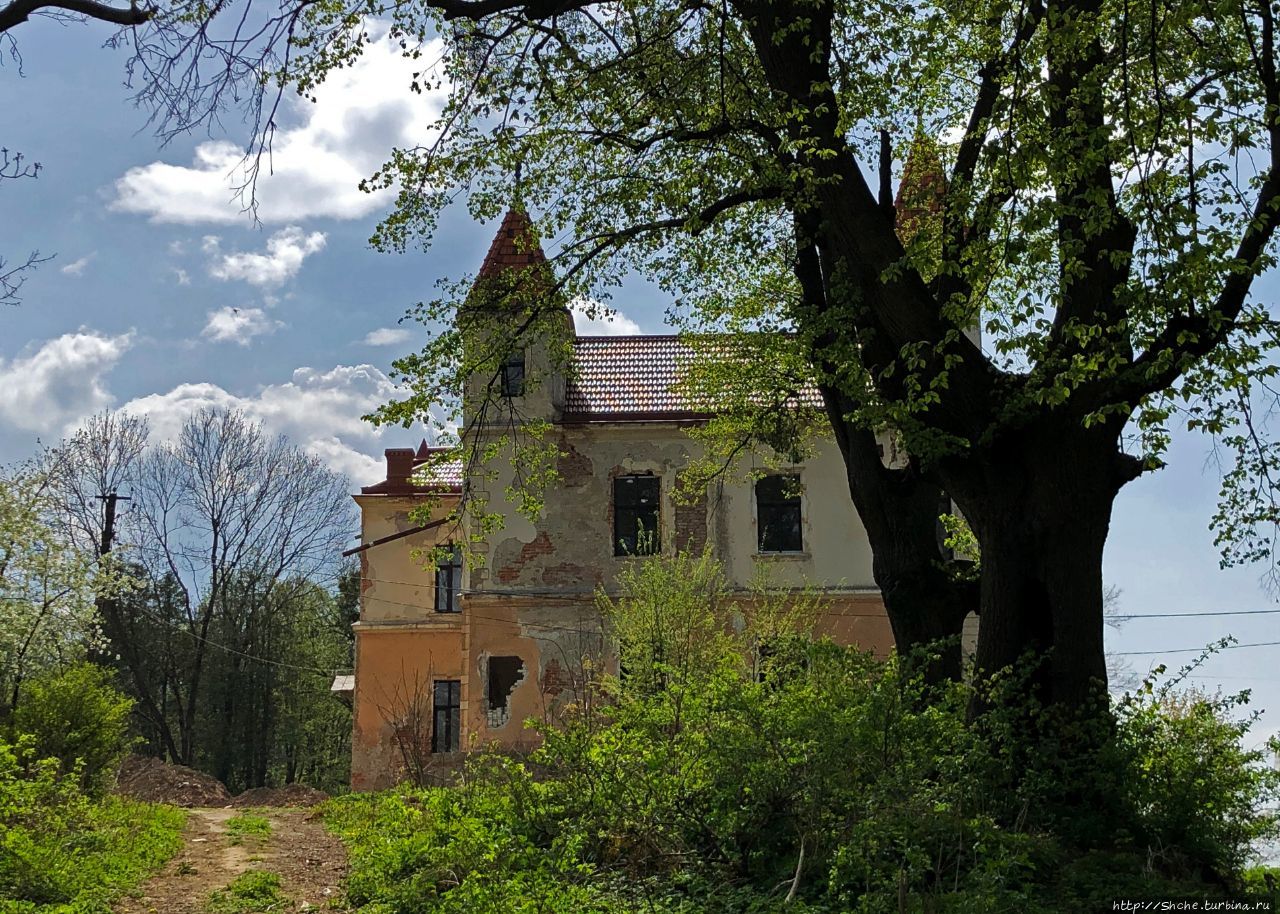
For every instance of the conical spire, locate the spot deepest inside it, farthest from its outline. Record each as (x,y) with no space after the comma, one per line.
(919,203)
(516,246)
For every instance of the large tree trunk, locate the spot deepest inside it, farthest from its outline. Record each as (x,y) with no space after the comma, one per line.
(925,601)
(1040,505)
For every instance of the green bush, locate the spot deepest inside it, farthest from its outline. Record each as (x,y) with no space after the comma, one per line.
(740,762)
(63,852)
(79,718)
(249,893)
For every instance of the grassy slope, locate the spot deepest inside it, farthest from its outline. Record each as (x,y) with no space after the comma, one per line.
(79,864)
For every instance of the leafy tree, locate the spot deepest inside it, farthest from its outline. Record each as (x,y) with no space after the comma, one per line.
(77,717)
(1109,196)
(48,587)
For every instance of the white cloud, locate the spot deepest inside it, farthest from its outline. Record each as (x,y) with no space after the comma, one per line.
(76,267)
(316,163)
(60,382)
(318,410)
(607,321)
(387,336)
(183,278)
(238,325)
(286,250)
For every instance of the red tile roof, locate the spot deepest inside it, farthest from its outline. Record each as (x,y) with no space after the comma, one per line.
(516,245)
(637,377)
(442,476)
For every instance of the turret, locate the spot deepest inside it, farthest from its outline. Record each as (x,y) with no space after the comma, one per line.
(517,331)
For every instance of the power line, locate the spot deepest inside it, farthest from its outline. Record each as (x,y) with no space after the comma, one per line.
(1225,612)
(1196,650)
(231,650)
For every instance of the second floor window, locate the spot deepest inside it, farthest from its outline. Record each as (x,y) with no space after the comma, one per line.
(445,712)
(778,514)
(635,515)
(513,374)
(449,582)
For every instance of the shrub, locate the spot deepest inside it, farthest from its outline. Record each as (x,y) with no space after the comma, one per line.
(810,777)
(79,718)
(62,851)
(249,893)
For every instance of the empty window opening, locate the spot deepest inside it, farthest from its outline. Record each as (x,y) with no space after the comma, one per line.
(778,514)
(512,374)
(635,515)
(505,673)
(446,703)
(449,581)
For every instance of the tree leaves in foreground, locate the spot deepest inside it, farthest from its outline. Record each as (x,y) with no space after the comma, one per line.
(1105,198)
(737,765)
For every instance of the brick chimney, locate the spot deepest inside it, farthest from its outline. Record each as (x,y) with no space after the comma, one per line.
(399,465)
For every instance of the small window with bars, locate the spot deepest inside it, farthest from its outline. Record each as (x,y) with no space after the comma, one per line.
(635,515)
(449,581)
(445,716)
(778,514)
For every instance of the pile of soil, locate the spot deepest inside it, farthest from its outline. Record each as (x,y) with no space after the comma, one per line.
(288,795)
(155,781)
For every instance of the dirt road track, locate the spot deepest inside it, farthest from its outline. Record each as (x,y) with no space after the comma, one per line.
(310,862)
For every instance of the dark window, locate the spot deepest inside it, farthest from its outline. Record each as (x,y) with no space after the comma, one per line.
(444,716)
(449,582)
(778,514)
(513,375)
(635,515)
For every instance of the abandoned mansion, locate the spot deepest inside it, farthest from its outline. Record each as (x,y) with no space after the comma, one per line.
(464,652)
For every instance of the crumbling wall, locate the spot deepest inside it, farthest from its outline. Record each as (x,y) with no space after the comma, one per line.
(504,674)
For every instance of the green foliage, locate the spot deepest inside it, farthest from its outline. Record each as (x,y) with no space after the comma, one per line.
(248,825)
(1198,795)
(47,584)
(63,852)
(254,892)
(696,780)
(78,717)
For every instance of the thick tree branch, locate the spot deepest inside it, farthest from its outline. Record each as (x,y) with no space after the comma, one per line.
(19,11)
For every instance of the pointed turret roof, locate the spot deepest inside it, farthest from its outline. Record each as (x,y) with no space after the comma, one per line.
(514,247)
(923,187)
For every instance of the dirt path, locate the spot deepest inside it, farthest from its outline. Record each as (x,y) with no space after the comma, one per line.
(310,862)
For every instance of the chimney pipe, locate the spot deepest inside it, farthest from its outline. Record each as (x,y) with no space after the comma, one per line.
(399,465)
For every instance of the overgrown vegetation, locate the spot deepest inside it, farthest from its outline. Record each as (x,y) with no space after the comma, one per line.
(727,772)
(248,825)
(249,893)
(65,848)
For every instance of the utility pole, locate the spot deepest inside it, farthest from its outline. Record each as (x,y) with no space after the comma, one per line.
(107,611)
(109,521)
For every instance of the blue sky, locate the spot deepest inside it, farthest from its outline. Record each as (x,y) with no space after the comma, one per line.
(164,297)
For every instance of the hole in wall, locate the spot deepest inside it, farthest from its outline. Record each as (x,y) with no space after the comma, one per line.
(505,673)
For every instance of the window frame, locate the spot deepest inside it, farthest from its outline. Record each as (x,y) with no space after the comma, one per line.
(453,566)
(510,386)
(633,511)
(451,737)
(778,505)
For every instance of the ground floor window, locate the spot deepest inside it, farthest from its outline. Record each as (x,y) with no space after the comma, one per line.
(445,715)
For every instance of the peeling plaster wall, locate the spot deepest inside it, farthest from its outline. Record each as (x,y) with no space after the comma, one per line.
(528,591)
(570,550)
(402,644)
(396,581)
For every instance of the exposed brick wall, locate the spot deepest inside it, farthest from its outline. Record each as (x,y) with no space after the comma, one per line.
(541,545)
(691,526)
(554,678)
(575,468)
